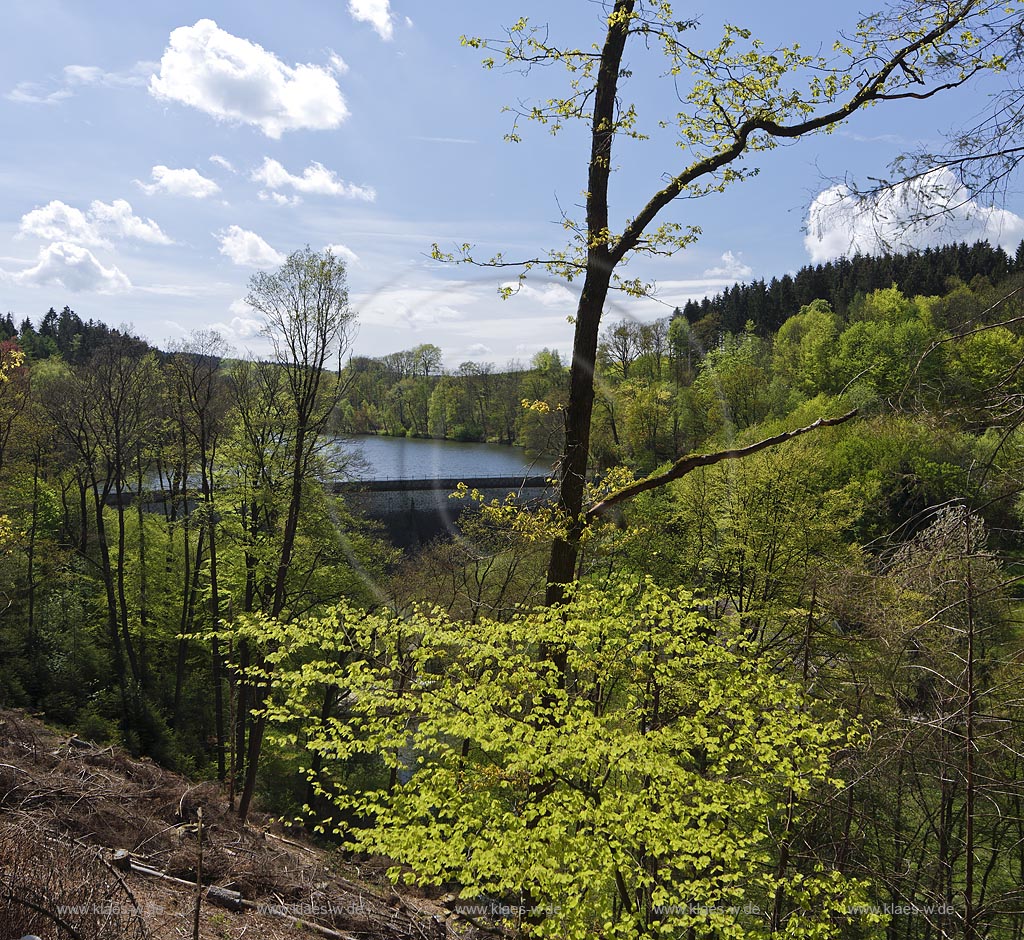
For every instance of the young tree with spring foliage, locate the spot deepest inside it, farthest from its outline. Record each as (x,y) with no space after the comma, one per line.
(641,799)
(738,101)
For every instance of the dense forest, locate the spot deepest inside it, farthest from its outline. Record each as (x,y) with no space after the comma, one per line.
(788,684)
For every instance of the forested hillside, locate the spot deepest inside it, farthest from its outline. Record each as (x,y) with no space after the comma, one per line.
(785,686)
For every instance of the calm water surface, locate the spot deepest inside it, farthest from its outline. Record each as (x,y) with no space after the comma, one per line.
(401,458)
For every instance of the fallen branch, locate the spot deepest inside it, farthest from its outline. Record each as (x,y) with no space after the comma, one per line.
(691,462)
(124,887)
(199,869)
(235,902)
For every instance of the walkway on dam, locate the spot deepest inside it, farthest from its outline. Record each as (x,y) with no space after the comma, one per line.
(400,485)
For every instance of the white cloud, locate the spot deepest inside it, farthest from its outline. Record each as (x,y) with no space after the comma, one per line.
(233,79)
(478,349)
(34,93)
(279,199)
(930,211)
(338,64)
(138,75)
(179,289)
(242,326)
(444,140)
(237,329)
(83,74)
(344,252)
(222,162)
(375,12)
(316,179)
(56,90)
(74,268)
(183,182)
(731,267)
(118,219)
(550,295)
(247,248)
(57,221)
(417,307)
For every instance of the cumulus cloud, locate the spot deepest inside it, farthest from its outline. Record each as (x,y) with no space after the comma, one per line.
(731,267)
(375,12)
(338,64)
(184,182)
(118,219)
(73,268)
(57,221)
(237,329)
(930,211)
(344,252)
(316,179)
(233,79)
(222,162)
(247,248)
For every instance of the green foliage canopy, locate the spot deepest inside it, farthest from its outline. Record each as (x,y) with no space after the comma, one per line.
(642,796)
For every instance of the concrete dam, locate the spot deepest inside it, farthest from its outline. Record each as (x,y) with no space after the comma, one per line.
(416,512)
(412,512)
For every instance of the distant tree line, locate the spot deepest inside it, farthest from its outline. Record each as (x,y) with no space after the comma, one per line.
(768,304)
(64,334)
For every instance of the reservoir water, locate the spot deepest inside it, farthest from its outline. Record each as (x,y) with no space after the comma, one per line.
(402,458)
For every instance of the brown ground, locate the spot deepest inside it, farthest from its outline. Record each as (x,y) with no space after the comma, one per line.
(67,806)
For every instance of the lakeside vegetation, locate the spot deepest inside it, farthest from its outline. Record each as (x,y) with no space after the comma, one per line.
(823,637)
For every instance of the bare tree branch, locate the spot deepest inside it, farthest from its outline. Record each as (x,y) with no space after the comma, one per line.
(691,462)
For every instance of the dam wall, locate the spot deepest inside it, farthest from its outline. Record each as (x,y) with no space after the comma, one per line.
(416,512)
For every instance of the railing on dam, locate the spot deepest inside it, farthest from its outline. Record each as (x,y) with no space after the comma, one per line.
(450,484)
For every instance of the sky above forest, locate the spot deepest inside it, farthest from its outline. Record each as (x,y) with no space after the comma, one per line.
(157,155)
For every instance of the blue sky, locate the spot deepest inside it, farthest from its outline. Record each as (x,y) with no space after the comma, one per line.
(156,155)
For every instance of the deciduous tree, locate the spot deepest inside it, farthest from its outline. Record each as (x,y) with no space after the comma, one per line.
(308,324)
(739,100)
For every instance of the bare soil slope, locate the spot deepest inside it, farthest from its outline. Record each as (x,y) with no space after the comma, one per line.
(96,845)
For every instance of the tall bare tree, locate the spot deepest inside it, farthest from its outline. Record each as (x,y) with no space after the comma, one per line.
(309,325)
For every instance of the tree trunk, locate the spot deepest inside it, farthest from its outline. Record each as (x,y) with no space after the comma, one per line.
(580,407)
(280,583)
(188,616)
(218,664)
(578,414)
